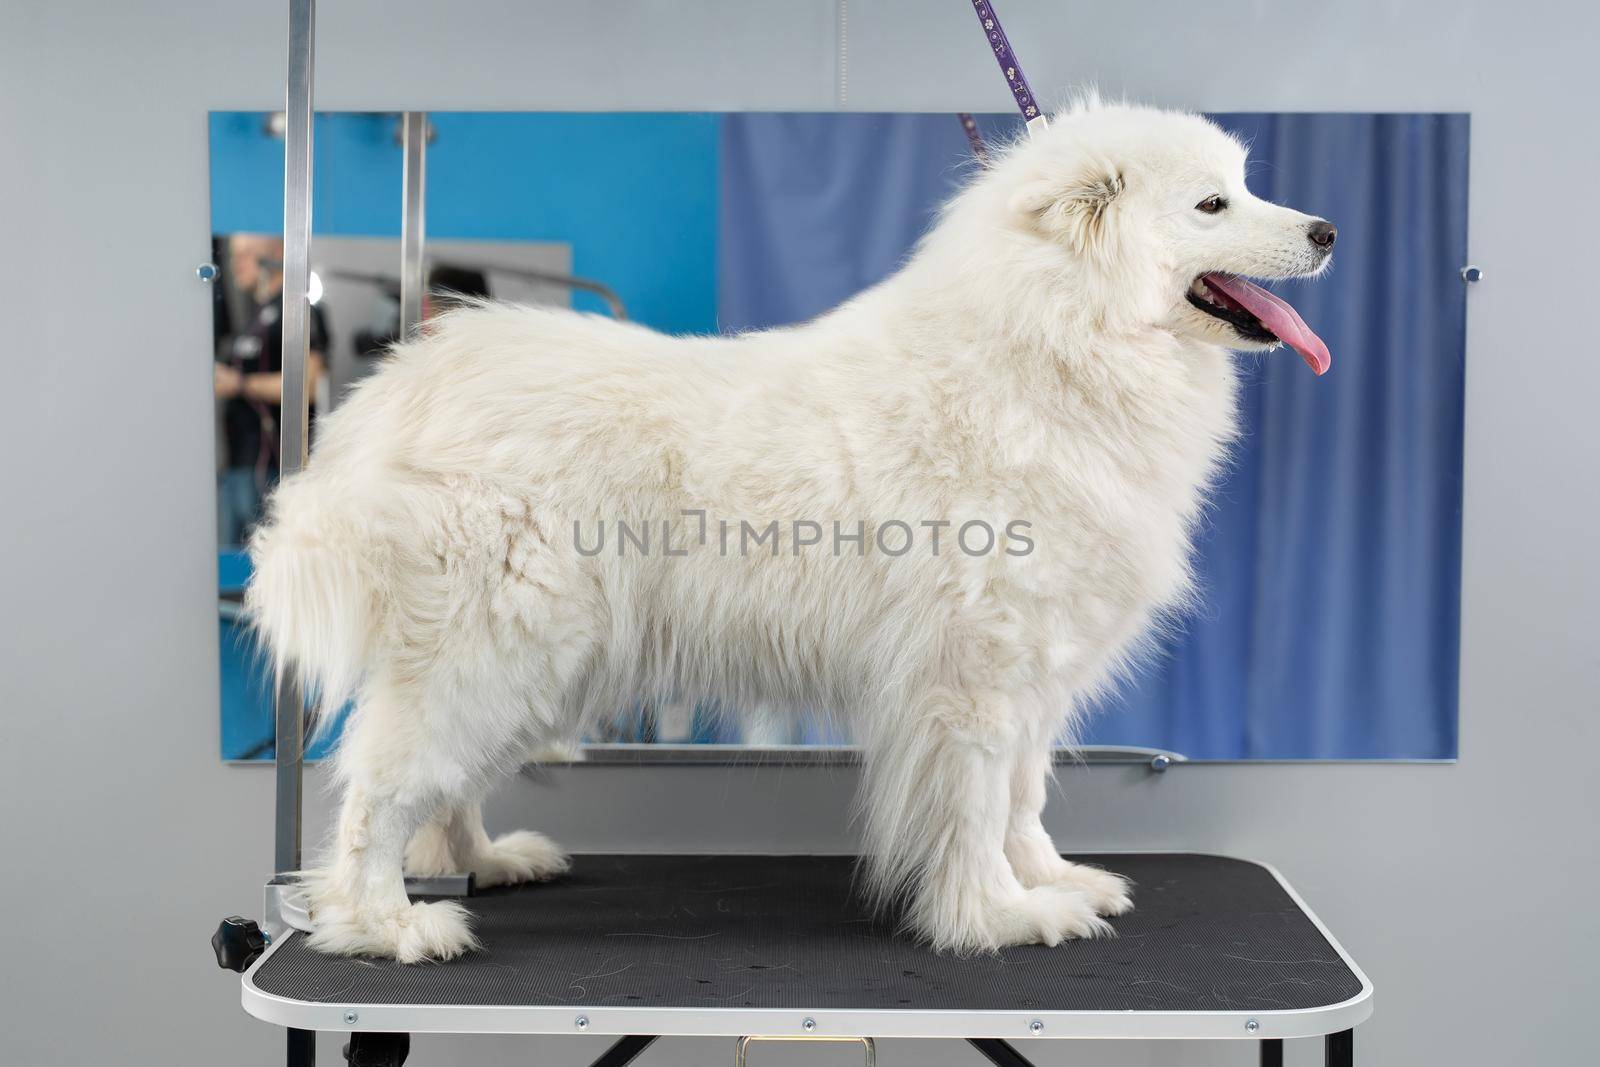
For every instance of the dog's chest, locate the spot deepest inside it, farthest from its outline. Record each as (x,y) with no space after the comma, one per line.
(1117,498)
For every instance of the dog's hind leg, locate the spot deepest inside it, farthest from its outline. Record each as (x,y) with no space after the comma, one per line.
(398,772)
(429,852)
(937,806)
(1030,850)
(455,841)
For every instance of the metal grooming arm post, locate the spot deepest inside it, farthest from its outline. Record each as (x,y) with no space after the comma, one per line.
(414,139)
(290,701)
(294,417)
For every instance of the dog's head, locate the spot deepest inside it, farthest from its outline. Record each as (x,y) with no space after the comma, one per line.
(1147,211)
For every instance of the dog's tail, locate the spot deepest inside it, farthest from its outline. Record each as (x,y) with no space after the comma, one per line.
(313,594)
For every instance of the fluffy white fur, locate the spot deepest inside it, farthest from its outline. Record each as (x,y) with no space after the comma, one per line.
(1035,360)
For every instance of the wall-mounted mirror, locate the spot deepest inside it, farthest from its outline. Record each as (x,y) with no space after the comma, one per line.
(1330,559)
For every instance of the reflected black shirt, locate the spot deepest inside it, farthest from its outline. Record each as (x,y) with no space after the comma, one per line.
(250,427)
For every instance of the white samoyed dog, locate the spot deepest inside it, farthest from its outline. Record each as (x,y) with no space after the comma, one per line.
(947,514)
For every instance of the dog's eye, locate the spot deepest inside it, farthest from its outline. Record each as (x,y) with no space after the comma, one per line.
(1211,204)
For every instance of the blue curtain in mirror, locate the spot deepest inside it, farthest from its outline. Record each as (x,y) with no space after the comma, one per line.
(1331,560)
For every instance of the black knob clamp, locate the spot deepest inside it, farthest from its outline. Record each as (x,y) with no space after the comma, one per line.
(237,943)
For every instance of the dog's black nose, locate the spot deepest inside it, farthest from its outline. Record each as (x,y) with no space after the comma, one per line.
(1322,233)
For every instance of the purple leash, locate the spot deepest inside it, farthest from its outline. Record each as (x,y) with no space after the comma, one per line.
(1011,69)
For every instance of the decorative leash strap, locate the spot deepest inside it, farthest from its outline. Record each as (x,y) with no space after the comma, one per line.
(1009,67)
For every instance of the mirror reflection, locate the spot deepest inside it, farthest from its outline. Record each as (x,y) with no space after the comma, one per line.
(1329,563)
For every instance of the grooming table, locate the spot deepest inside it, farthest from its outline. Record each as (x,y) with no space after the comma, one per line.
(777,946)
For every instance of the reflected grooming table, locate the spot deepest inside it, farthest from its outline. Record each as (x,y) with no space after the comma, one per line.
(777,946)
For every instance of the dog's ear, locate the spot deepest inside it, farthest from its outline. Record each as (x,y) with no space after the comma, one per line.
(1076,207)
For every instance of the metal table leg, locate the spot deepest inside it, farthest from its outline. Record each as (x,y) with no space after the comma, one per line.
(1272,1052)
(302,1048)
(623,1051)
(998,1052)
(1340,1049)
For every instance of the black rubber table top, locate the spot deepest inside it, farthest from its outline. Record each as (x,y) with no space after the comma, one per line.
(1207,933)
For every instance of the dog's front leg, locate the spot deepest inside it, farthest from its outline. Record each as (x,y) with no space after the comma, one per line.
(1033,854)
(937,808)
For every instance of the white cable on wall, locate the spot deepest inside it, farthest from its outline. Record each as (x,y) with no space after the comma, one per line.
(844,51)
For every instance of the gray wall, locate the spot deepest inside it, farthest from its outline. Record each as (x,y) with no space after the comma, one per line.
(1466,890)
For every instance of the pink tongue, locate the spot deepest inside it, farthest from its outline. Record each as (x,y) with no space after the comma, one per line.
(1276,316)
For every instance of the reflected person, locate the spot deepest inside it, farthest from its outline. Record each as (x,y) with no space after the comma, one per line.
(249,382)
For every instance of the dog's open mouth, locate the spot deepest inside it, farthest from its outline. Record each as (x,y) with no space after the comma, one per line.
(1257,315)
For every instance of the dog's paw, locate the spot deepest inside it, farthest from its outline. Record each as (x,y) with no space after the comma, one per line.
(520,856)
(1039,864)
(1044,915)
(1049,915)
(418,932)
(1107,893)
